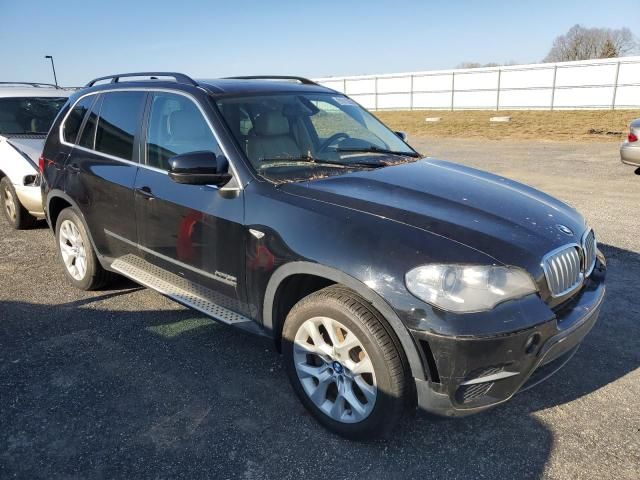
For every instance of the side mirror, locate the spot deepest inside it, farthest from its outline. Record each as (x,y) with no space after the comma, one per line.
(402,135)
(199,168)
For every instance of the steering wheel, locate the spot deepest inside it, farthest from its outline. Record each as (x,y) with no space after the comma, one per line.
(331,140)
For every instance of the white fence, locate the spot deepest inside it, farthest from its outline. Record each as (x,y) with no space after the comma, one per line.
(594,84)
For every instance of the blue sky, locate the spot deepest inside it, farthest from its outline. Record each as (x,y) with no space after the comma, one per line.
(310,38)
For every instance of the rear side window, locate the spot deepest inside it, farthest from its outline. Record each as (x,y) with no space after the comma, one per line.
(74,120)
(88,135)
(118,123)
(176,126)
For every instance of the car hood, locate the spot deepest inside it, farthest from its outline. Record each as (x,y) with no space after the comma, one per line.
(31,147)
(511,222)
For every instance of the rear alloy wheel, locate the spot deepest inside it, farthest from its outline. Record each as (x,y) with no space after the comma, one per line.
(17,216)
(72,250)
(345,363)
(81,265)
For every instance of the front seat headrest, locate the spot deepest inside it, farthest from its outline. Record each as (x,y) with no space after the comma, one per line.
(271,123)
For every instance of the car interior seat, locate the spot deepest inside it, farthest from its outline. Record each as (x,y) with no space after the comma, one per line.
(271,137)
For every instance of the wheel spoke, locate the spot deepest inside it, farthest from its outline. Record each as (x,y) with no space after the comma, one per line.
(311,371)
(350,342)
(64,232)
(363,366)
(68,260)
(321,347)
(337,409)
(314,334)
(368,390)
(319,395)
(330,327)
(357,408)
(306,349)
(81,266)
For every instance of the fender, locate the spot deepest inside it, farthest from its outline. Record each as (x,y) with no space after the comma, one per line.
(301,267)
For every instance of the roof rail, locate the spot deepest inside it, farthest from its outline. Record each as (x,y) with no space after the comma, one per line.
(303,80)
(32,84)
(179,77)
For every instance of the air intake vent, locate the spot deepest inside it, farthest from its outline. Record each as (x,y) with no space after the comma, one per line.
(473,391)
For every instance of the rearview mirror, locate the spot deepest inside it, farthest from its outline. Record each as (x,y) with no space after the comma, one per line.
(199,168)
(402,135)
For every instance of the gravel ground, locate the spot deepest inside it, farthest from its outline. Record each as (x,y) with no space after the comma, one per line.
(124,383)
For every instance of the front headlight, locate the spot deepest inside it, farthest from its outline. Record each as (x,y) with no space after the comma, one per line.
(468,288)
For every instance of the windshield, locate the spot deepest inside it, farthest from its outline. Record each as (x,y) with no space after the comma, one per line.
(28,115)
(294,136)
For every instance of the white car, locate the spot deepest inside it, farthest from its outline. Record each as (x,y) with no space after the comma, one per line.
(27,111)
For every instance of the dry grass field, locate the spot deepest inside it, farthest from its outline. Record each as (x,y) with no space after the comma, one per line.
(587,125)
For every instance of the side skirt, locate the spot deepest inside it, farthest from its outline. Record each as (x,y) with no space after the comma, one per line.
(183,291)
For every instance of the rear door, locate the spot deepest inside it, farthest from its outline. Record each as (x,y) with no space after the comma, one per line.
(193,231)
(102,168)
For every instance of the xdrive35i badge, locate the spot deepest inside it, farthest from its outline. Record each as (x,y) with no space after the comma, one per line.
(564,229)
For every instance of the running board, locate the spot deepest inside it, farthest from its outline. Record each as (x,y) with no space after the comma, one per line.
(181,290)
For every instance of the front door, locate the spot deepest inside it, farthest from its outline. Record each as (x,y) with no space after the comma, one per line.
(194,231)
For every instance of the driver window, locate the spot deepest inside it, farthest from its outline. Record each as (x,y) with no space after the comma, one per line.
(331,120)
(176,126)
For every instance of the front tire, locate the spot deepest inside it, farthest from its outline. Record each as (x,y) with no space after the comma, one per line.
(17,216)
(79,261)
(345,364)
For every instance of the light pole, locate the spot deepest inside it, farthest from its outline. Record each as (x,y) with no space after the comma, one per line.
(53,67)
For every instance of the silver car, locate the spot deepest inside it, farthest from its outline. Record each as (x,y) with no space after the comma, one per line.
(26,113)
(630,149)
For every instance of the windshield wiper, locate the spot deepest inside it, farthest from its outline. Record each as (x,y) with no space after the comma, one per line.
(315,161)
(374,149)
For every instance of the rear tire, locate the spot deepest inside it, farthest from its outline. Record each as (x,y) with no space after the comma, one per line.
(79,261)
(345,364)
(17,216)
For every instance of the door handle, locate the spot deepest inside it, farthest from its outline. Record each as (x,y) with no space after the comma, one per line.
(73,168)
(145,192)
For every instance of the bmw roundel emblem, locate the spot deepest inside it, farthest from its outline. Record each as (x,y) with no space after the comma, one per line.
(564,229)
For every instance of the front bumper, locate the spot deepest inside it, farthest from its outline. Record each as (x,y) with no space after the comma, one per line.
(630,153)
(471,374)
(30,197)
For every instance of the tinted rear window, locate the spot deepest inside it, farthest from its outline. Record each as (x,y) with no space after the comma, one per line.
(28,115)
(118,123)
(74,120)
(88,135)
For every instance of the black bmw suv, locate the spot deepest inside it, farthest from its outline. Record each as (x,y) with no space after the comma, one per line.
(277,205)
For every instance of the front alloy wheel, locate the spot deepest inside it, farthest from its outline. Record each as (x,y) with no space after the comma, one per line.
(346,364)
(335,370)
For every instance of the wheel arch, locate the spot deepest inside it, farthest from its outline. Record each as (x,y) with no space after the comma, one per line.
(58,201)
(273,324)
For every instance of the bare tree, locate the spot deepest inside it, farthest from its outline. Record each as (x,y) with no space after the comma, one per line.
(581,43)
